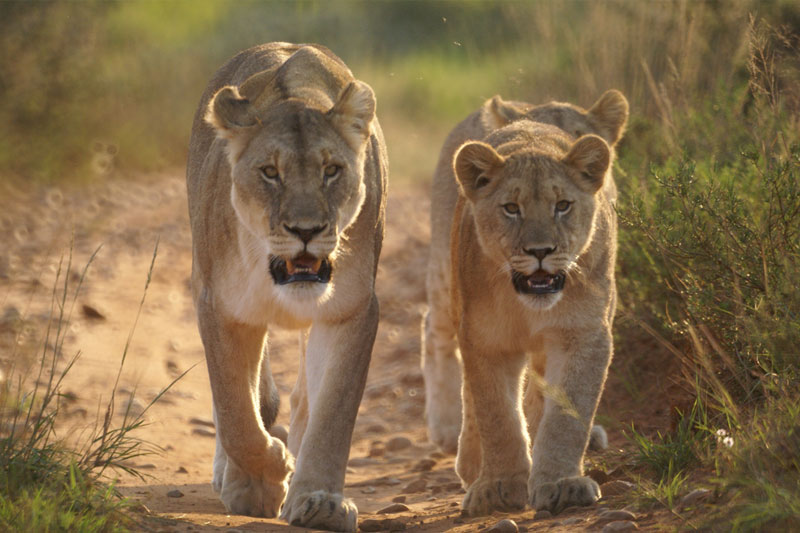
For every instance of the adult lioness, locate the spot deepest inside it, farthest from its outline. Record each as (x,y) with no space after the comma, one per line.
(522,266)
(287,180)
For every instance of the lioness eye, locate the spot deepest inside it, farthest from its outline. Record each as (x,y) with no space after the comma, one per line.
(331,171)
(511,209)
(270,173)
(563,206)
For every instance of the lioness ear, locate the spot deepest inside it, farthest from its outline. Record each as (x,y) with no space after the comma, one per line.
(353,112)
(498,113)
(228,112)
(591,156)
(473,164)
(611,112)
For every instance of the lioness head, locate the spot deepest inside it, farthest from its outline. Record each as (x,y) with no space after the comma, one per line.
(533,193)
(296,172)
(606,118)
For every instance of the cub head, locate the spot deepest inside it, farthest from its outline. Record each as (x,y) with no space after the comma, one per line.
(606,118)
(297,178)
(533,195)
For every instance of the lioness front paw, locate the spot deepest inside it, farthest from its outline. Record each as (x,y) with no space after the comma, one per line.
(507,494)
(249,495)
(321,510)
(566,492)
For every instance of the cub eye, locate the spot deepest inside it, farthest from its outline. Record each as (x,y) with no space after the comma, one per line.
(270,173)
(511,209)
(331,172)
(563,206)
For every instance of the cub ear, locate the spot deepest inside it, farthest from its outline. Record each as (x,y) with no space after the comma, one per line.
(611,112)
(228,112)
(498,113)
(473,164)
(591,156)
(353,112)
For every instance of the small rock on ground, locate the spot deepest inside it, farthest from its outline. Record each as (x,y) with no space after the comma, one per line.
(197,421)
(399,499)
(203,432)
(616,515)
(542,515)
(396,444)
(620,526)
(175,493)
(695,497)
(504,526)
(424,465)
(387,524)
(394,508)
(418,485)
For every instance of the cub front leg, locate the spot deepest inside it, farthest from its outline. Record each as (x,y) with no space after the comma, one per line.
(492,394)
(250,467)
(577,365)
(337,361)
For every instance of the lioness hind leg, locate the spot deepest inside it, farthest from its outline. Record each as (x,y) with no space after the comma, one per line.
(441,370)
(251,467)
(337,361)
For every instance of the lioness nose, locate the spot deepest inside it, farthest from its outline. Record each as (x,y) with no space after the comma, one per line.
(305,234)
(539,253)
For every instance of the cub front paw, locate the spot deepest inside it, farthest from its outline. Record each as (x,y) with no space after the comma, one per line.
(321,510)
(566,492)
(506,494)
(244,494)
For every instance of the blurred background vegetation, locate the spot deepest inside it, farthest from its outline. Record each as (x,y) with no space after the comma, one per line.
(709,170)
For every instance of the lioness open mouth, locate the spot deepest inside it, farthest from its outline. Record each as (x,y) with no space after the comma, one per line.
(301,268)
(540,282)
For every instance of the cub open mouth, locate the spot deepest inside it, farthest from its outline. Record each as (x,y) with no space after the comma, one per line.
(301,268)
(540,282)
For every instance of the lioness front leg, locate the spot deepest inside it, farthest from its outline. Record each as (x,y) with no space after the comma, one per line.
(253,465)
(494,386)
(557,479)
(337,361)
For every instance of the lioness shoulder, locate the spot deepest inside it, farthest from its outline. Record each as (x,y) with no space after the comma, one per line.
(286,183)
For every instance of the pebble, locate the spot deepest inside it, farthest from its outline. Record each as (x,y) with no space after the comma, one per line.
(175,493)
(695,497)
(616,515)
(368,490)
(615,487)
(203,432)
(543,515)
(280,432)
(377,450)
(619,526)
(399,499)
(91,312)
(388,524)
(181,470)
(504,526)
(424,465)
(396,444)
(207,422)
(572,521)
(418,485)
(394,508)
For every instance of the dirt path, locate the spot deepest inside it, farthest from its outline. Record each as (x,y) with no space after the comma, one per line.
(391,460)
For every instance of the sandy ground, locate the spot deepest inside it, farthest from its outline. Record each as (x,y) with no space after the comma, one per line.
(390,461)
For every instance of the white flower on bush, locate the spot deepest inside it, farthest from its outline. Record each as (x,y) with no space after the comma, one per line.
(724,439)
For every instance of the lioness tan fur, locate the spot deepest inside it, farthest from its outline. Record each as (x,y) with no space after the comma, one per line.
(286,180)
(522,195)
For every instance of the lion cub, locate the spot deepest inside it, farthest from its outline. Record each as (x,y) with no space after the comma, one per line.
(521,281)
(286,181)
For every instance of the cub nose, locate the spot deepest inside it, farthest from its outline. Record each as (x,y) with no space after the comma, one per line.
(540,253)
(305,234)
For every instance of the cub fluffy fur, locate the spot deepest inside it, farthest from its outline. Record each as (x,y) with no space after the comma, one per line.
(286,181)
(521,280)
